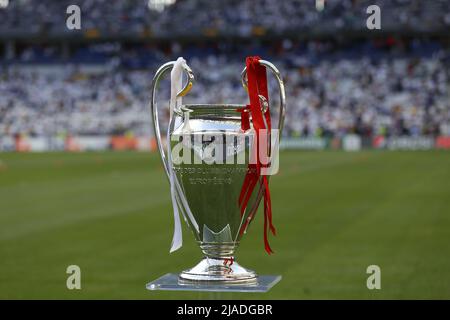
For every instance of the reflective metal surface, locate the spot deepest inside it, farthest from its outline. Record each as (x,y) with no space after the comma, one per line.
(207,192)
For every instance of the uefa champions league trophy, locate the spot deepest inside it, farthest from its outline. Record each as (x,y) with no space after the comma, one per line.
(216,182)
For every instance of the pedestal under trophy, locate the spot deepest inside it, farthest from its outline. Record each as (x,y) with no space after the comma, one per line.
(216,173)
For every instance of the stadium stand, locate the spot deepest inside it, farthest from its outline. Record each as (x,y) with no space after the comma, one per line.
(388,85)
(390,90)
(230,17)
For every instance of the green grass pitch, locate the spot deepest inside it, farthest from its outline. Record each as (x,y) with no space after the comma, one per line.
(336,213)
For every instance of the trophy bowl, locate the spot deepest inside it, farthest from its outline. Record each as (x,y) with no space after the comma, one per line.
(207,160)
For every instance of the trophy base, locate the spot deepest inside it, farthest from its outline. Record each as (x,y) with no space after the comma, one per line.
(219,270)
(172,282)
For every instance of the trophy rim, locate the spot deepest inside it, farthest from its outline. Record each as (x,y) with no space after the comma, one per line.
(215,111)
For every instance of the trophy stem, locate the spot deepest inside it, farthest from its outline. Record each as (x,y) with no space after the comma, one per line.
(218,265)
(218,250)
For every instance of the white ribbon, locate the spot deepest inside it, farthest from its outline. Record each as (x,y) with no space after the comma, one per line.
(176,83)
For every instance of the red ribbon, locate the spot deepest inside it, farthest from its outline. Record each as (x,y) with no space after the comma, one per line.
(257,85)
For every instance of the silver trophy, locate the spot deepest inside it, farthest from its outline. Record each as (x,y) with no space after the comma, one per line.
(206,193)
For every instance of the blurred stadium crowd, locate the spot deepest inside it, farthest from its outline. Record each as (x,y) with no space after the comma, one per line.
(237,17)
(392,86)
(331,91)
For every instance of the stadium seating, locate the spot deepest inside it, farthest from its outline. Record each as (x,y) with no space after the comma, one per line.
(231,17)
(390,86)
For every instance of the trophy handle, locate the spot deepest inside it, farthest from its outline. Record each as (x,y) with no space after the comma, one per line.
(154,110)
(279,79)
(179,197)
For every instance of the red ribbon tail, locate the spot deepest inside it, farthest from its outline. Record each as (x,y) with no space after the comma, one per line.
(266,240)
(269,206)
